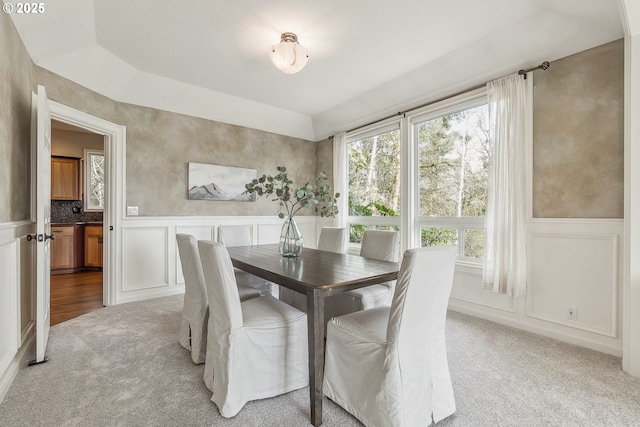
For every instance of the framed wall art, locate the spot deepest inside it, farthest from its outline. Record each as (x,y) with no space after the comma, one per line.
(219,183)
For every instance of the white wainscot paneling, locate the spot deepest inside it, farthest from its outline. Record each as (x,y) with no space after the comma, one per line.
(577,271)
(145,258)
(27,294)
(200,233)
(467,287)
(9,325)
(269,233)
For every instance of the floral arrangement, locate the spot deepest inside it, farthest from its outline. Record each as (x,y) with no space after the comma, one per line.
(293,199)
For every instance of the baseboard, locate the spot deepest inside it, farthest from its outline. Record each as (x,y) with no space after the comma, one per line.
(20,359)
(174,290)
(504,318)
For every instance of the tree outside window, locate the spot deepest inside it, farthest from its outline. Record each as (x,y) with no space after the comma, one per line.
(94,180)
(374,179)
(453,161)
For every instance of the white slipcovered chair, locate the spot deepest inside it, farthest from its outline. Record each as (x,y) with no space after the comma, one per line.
(332,239)
(195,310)
(256,348)
(388,366)
(376,244)
(240,235)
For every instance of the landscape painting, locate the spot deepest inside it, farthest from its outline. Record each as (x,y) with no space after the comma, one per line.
(218,183)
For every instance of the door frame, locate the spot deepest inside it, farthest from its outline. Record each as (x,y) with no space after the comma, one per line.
(114,155)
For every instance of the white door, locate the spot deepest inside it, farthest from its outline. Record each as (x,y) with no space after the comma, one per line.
(43,226)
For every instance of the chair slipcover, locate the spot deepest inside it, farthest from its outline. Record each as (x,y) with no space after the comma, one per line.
(332,239)
(256,348)
(388,365)
(376,244)
(240,235)
(195,310)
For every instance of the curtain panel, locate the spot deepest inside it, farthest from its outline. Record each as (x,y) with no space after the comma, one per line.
(510,115)
(340,177)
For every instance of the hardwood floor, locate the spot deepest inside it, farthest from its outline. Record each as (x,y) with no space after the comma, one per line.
(75,294)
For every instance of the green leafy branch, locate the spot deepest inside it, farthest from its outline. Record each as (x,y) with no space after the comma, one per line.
(293,199)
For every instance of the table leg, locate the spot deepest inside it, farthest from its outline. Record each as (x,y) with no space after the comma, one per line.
(315,320)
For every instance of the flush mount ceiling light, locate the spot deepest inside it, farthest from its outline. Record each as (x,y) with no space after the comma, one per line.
(289,56)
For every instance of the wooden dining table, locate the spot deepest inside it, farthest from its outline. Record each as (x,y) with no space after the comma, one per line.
(318,275)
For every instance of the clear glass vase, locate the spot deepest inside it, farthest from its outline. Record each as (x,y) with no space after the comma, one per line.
(290,239)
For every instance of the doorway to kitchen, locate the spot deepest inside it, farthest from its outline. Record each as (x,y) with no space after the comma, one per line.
(77,209)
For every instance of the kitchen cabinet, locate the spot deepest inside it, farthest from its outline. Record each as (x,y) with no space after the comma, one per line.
(93,244)
(67,248)
(65,178)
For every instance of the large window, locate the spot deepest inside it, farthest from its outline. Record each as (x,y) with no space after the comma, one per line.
(374,181)
(453,159)
(430,180)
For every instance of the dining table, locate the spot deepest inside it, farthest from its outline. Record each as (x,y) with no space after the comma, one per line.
(317,274)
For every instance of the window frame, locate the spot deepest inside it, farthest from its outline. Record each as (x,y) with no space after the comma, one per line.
(409,222)
(452,105)
(87,179)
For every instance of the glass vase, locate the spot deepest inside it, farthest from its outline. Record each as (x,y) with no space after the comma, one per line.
(290,239)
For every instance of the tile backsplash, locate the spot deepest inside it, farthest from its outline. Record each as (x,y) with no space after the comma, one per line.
(62,211)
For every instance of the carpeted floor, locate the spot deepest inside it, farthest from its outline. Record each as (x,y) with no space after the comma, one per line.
(123,366)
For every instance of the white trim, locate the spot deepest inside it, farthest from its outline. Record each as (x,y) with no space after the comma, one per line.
(115,188)
(612,239)
(377,128)
(7,377)
(504,317)
(631,275)
(86,178)
(455,104)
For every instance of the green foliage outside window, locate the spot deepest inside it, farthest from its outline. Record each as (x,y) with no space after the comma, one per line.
(453,161)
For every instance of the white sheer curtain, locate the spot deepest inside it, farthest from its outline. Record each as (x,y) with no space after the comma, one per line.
(505,260)
(340,177)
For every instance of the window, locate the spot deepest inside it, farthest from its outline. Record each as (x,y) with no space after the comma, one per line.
(424,174)
(94,180)
(453,159)
(374,181)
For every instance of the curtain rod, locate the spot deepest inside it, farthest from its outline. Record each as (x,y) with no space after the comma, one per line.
(544,66)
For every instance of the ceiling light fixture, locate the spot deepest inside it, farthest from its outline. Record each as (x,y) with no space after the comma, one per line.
(289,56)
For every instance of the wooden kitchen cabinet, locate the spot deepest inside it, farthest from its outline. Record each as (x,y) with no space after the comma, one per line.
(67,248)
(65,178)
(93,244)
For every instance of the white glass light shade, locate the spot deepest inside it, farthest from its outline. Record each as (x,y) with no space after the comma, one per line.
(288,56)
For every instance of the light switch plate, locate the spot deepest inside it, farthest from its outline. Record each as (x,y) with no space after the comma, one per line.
(132,210)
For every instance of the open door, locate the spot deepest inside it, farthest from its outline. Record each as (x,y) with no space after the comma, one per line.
(43,227)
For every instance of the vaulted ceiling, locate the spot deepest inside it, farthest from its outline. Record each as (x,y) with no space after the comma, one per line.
(368,58)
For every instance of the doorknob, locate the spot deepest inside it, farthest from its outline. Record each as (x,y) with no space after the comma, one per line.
(40,237)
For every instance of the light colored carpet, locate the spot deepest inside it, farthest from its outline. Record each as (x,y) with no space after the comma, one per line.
(123,366)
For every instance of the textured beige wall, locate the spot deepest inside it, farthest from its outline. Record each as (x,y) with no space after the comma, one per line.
(578,144)
(161,144)
(324,158)
(16,85)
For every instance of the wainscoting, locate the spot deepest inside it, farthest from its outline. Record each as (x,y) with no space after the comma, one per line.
(149,256)
(17,299)
(574,265)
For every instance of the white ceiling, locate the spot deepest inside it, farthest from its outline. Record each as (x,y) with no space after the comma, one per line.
(368,58)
